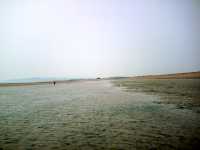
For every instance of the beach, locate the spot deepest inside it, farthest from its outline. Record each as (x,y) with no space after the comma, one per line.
(93,114)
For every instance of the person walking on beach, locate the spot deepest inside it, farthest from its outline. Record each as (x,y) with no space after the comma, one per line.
(54,83)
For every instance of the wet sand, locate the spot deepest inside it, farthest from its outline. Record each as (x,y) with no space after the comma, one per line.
(185,93)
(92,115)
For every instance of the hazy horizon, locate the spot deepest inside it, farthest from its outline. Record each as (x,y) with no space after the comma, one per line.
(88,39)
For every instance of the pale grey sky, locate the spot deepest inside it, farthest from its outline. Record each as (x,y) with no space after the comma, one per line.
(89,38)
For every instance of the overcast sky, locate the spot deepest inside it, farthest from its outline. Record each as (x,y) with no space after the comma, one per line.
(89,38)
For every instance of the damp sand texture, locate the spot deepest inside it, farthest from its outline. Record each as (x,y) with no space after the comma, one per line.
(89,115)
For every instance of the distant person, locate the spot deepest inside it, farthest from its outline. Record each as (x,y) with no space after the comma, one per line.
(54,83)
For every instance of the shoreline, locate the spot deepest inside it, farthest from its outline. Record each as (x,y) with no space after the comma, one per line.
(185,75)
(40,83)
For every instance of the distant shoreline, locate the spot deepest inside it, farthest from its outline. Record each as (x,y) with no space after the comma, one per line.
(38,83)
(185,75)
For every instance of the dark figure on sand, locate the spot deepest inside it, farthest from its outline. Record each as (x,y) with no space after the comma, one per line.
(54,83)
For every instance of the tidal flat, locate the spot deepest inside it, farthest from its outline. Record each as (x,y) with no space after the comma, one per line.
(90,115)
(185,93)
